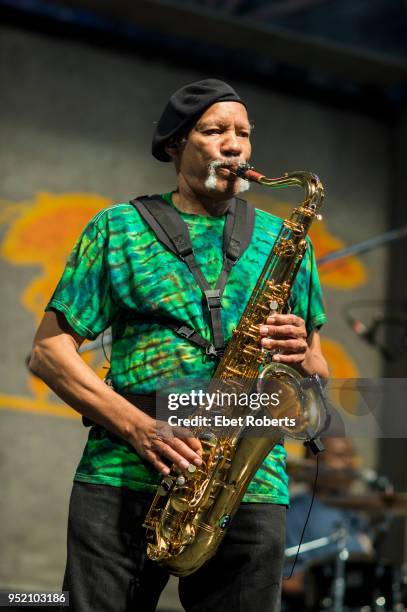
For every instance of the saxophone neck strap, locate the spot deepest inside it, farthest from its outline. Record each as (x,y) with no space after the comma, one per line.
(172,231)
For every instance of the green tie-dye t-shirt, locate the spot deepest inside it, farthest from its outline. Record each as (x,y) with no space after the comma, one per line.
(118,275)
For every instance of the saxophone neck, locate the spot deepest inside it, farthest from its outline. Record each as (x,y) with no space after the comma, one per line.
(308,181)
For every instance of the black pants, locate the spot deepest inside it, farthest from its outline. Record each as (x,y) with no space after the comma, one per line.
(107,569)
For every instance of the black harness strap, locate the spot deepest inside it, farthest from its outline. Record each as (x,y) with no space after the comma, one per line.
(192,335)
(172,231)
(236,237)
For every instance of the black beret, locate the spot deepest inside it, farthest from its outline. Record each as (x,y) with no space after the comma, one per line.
(185,106)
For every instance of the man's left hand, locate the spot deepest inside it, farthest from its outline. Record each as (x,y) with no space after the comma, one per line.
(286,334)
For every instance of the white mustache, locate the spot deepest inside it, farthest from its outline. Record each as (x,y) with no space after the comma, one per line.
(217,163)
(211,180)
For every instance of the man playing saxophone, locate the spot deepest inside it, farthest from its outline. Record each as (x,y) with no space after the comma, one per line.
(171,313)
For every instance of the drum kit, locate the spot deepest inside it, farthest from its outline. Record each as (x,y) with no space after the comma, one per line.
(350,582)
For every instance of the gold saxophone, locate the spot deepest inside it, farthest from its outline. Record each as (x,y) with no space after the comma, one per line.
(192,509)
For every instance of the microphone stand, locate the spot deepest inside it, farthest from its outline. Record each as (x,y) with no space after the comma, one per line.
(369,334)
(364,246)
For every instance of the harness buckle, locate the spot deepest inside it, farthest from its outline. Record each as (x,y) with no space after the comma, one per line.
(185,332)
(213,298)
(211,352)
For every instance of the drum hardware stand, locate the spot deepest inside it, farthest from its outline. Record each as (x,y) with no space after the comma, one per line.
(340,536)
(380,530)
(341,558)
(314,544)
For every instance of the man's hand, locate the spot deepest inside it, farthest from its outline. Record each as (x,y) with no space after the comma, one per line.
(286,334)
(156,441)
(55,360)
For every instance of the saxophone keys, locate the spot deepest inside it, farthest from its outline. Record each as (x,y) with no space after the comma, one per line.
(165,486)
(181,479)
(252,351)
(224,521)
(233,370)
(253,332)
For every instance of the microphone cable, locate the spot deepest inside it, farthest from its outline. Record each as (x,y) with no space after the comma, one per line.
(314,488)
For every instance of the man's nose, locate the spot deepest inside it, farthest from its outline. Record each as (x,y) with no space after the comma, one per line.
(231,144)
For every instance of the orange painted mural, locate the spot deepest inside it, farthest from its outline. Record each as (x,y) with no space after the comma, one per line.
(41,233)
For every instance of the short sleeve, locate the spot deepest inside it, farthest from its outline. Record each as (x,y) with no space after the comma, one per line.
(83,293)
(307,298)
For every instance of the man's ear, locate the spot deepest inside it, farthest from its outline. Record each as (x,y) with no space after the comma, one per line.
(172,149)
(175,146)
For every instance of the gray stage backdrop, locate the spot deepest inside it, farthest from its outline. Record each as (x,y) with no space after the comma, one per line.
(79,119)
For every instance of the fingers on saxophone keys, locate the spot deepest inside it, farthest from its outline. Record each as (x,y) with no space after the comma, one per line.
(285,346)
(283,331)
(285,319)
(195,444)
(157,462)
(177,452)
(186,451)
(289,358)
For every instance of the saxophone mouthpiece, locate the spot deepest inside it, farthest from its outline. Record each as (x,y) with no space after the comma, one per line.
(246,171)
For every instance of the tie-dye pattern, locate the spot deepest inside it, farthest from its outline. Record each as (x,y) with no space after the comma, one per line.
(118,274)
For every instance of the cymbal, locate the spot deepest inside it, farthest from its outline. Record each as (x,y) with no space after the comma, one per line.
(372,503)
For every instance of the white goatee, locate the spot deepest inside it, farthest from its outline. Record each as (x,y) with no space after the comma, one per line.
(212,179)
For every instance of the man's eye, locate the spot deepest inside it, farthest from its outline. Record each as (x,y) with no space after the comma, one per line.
(244,134)
(213,131)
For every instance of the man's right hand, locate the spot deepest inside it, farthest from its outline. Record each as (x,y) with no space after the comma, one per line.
(55,360)
(156,441)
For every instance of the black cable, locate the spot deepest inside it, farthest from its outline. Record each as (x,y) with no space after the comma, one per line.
(314,488)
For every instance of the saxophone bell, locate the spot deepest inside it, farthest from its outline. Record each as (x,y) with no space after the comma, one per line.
(303,405)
